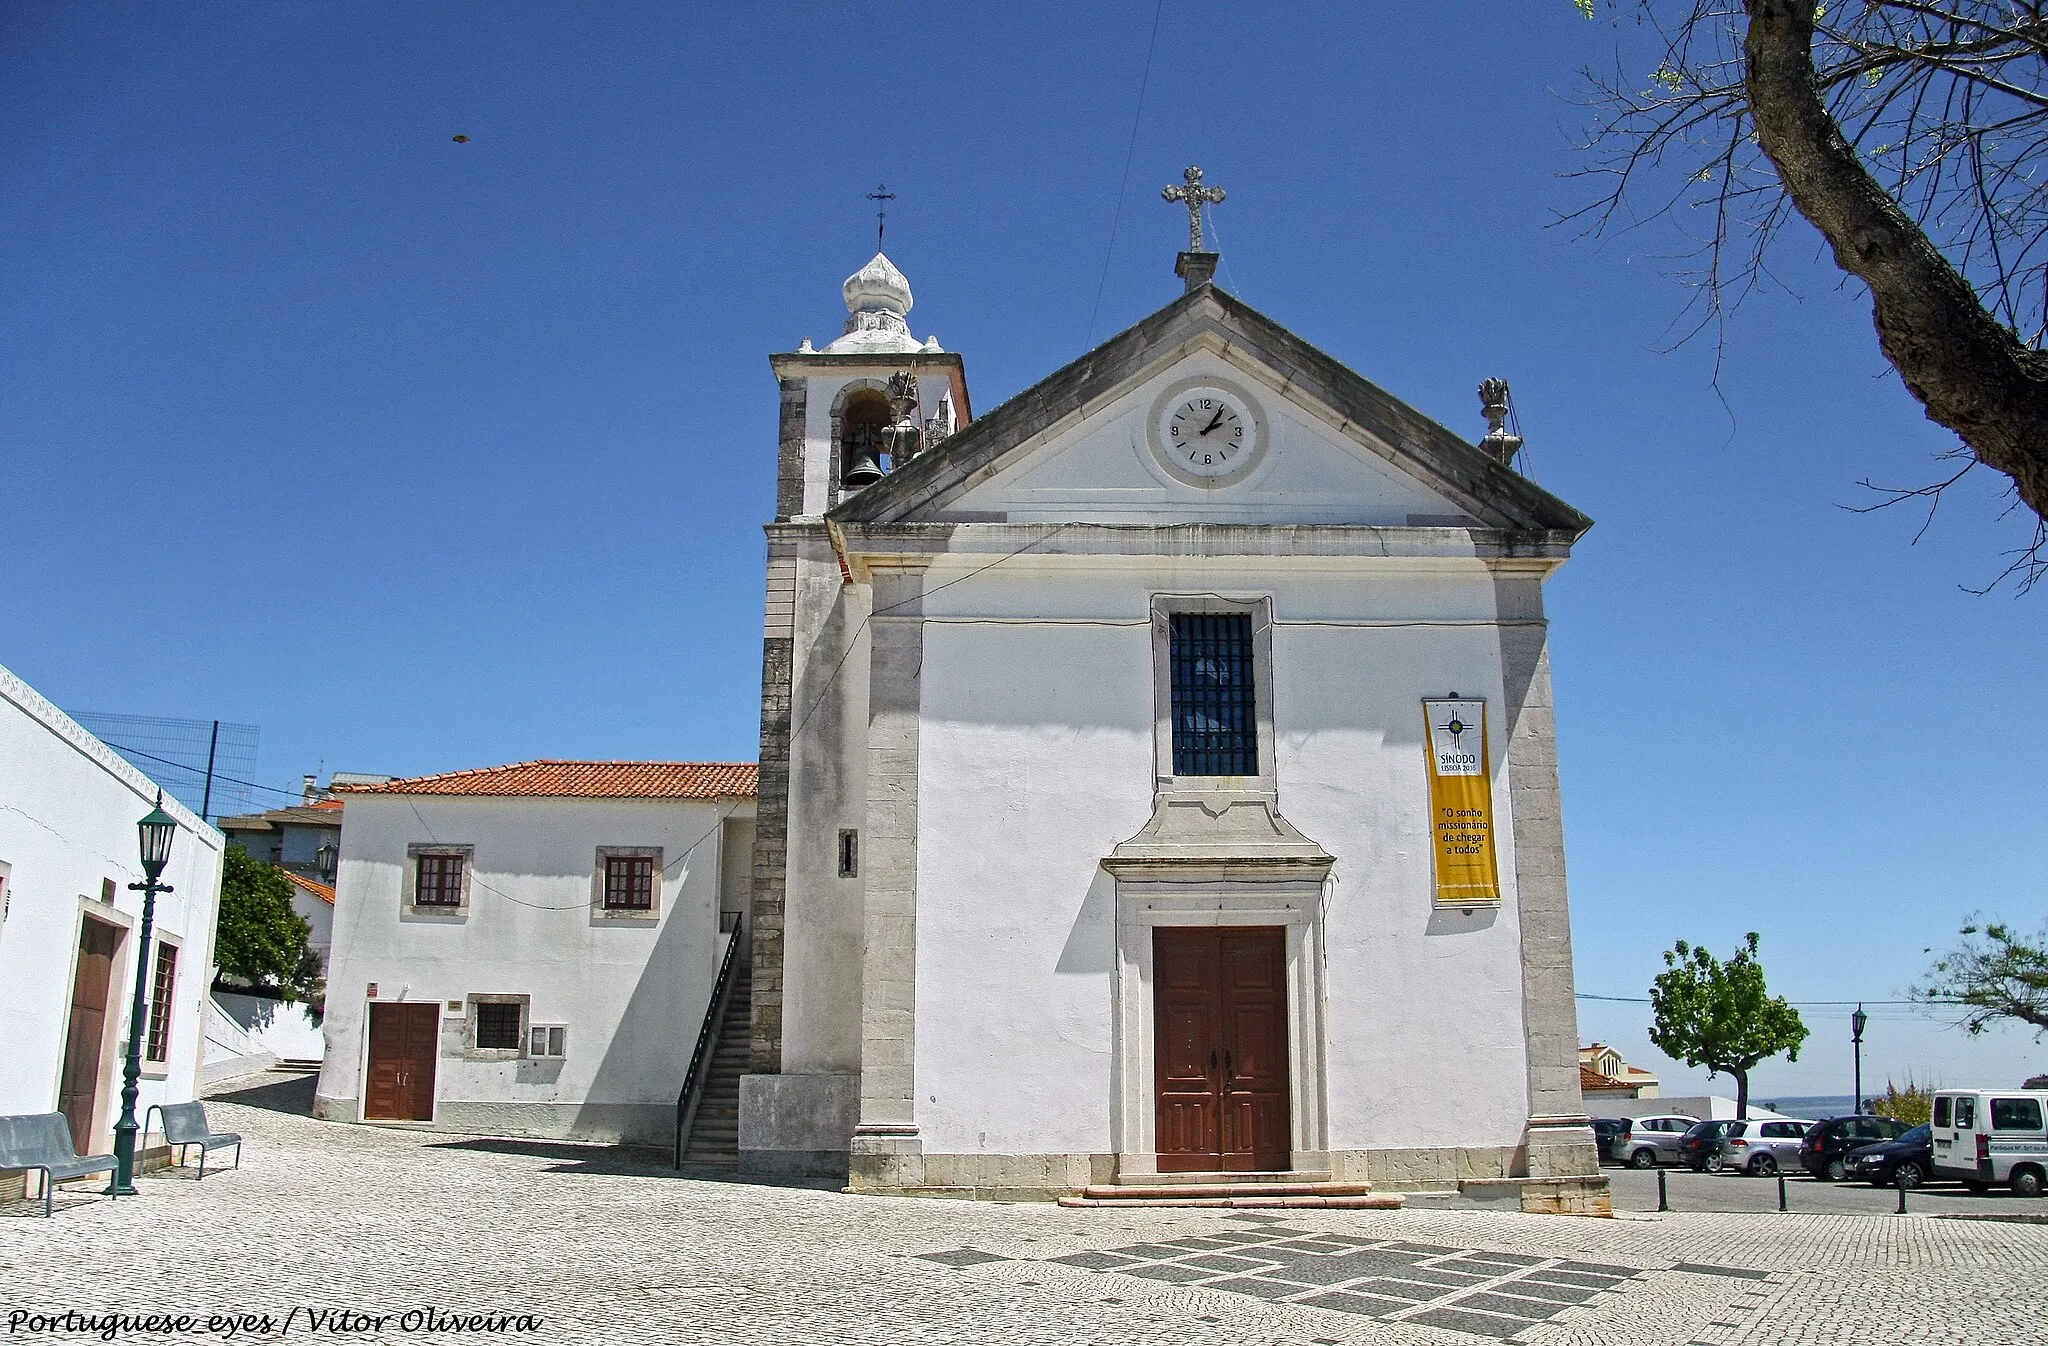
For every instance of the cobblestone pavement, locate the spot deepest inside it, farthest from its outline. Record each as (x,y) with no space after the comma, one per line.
(595,1247)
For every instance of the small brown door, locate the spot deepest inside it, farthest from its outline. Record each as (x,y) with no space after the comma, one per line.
(1220,1035)
(78,1091)
(404,1041)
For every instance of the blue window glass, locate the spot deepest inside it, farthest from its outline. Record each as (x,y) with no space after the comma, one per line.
(1215,719)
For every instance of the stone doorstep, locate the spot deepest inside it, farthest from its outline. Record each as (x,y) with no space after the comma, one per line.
(1130,1190)
(1290,1176)
(1363,1201)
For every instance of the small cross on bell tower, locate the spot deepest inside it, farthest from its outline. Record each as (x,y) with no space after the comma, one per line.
(1197,266)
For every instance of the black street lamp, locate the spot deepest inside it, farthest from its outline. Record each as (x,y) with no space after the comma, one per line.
(1856,1022)
(156,830)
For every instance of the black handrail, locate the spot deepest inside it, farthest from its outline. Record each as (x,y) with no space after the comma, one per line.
(712,1013)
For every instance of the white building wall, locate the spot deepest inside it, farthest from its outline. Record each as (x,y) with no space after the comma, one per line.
(68,809)
(1036,758)
(632,993)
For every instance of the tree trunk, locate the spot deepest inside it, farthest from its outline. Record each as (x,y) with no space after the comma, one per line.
(1970,374)
(1741,1094)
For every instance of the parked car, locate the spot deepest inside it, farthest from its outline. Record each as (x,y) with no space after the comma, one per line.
(1703,1146)
(1607,1130)
(1904,1162)
(1821,1153)
(1650,1141)
(1762,1146)
(1986,1136)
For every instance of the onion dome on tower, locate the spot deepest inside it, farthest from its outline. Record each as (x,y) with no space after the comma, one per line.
(877,302)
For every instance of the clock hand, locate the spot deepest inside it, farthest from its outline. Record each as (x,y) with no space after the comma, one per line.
(1214,421)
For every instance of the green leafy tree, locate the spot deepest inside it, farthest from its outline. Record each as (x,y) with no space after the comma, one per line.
(261,942)
(1995,974)
(1719,1015)
(1912,1105)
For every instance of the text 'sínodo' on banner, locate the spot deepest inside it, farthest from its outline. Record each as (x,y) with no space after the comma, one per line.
(1460,802)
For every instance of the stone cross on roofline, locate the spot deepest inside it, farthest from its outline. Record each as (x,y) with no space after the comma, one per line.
(1194,195)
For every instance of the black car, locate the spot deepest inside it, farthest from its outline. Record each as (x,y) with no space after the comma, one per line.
(1703,1149)
(1904,1162)
(1607,1130)
(1821,1153)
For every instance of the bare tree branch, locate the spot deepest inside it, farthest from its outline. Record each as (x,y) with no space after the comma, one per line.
(1913,134)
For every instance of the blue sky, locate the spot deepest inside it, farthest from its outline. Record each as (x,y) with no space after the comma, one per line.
(425,455)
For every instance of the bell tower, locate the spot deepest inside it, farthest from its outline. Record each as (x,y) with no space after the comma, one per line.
(851,413)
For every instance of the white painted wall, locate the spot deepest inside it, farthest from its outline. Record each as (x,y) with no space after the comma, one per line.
(280,1028)
(1036,759)
(68,809)
(632,993)
(1098,468)
(319,915)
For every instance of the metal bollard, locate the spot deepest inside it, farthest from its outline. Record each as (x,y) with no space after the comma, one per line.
(1902,1193)
(1781,1193)
(1663,1197)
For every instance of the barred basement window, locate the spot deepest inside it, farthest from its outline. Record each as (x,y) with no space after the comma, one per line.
(166,979)
(629,882)
(1215,717)
(497,1025)
(440,882)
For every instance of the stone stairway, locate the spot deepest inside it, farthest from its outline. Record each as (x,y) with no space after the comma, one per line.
(715,1131)
(1242,1191)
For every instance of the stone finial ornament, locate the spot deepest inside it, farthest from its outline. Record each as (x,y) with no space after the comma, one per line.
(877,298)
(1497,405)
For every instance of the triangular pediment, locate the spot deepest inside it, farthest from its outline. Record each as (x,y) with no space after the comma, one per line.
(1086,444)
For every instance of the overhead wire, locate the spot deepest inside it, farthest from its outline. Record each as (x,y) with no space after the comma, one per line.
(1123,187)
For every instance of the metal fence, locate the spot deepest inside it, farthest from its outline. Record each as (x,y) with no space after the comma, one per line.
(209,766)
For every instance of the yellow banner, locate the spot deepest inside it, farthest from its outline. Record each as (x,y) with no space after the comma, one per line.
(1460,802)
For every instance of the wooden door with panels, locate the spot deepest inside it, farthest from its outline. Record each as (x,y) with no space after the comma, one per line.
(404,1043)
(79,1088)
(1220,1049)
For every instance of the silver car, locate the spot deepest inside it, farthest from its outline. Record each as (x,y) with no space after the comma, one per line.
(1650,1141)
(1761,1148)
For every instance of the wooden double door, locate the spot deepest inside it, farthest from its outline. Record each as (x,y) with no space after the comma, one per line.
(1220,1049)
(405,1040)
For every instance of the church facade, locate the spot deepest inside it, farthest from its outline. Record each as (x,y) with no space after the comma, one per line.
(1158,778)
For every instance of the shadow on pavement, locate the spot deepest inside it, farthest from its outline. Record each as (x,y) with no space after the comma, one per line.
(618,1160)
(294,1096)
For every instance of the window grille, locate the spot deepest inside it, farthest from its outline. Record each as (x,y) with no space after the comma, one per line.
(1215,720)
(159,1042)
(440,881)
(497,1025)
(629,882)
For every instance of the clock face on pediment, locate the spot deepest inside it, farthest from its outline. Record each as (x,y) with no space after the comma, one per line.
(1207,432)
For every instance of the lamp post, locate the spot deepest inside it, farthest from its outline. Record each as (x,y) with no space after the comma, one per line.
(156,830)
(1856,1022)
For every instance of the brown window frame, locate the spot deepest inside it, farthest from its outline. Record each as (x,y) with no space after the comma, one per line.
(163,983)
(446,888)
(629,883)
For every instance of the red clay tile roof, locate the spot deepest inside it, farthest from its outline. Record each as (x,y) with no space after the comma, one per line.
(584,780)
(1590,1078)
(313,886)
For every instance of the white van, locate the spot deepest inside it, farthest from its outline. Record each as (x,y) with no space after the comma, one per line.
(1987,1136)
